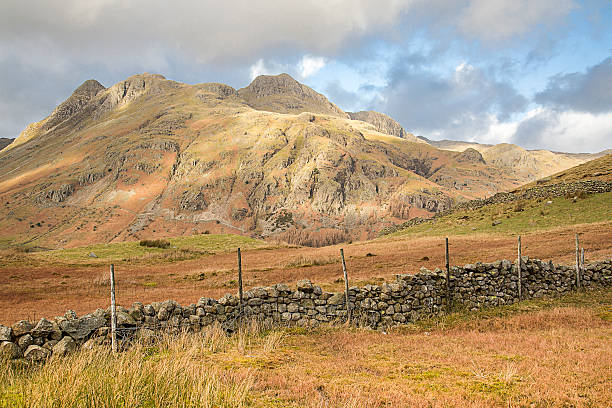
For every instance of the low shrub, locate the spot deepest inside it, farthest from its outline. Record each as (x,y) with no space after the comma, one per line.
(155,243)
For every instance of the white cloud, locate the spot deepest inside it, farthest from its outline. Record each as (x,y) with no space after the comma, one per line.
(310,65)
(543,128)
(569,131)
(206,30)
(258,68)
(263,67)
(497,20)
(497,132)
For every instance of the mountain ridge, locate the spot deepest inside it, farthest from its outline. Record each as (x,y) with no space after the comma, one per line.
(150,157)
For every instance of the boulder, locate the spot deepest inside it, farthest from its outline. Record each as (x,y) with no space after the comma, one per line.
(336,299)
(124,319)
(43,328)
(25,341)
(36,353)
(9,350)
(5,333)
(56,333)
(22,327)
(305,285)
(65,346)
(79,329)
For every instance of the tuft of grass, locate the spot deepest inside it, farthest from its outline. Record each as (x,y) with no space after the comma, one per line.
(172,372)
(155,243)
(306,261)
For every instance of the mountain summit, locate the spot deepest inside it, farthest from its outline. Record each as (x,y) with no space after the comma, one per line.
(283,94)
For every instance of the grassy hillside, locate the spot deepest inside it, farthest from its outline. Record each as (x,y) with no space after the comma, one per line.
(597,169)
(484,359)
(518,217)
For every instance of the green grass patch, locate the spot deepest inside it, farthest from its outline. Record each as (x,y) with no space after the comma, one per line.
(518,217)
(179,248)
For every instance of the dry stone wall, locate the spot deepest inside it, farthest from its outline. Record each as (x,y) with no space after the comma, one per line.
(409,298)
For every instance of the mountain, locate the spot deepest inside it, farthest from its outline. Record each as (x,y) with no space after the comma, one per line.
(5,141)
(149,158)
(520,163)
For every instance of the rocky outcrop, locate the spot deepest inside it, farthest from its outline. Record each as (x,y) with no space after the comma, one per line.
(283,94)
(57,194)
(382,123)
(75,103)
(470,155)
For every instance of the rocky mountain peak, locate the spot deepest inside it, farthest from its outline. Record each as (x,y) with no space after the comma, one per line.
(283,94)
(283,84)
(91,87)
(470,155)
(383,123)
(73,105)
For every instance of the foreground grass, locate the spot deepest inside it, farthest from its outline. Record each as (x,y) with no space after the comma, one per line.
(181,248)
(541,353)
(518,217)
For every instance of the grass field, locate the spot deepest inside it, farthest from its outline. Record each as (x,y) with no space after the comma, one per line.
(518,217)
(32,286)
(131,252)
(540,353)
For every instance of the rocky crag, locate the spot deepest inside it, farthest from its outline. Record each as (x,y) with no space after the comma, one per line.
(408,299)
(383,123)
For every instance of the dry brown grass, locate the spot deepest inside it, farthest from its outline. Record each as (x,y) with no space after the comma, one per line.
(545,353)
(30,291)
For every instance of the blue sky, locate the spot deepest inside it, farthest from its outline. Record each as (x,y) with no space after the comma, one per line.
(533,72)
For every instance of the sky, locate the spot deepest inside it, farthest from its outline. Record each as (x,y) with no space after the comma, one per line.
(537,73)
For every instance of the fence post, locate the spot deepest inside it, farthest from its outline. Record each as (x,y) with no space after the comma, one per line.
(577,263)
(349,313)
(448,294)
(519,267)
(240,297)
(582,259)
(113,310)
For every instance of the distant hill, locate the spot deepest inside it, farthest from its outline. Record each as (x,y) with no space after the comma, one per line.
(521,163)
(4,141)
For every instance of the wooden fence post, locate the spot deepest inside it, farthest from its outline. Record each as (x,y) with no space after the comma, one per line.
(519,267)
(577,263)
(448,294)
(582,259)
(349,313)
(240,296)
(113,310)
